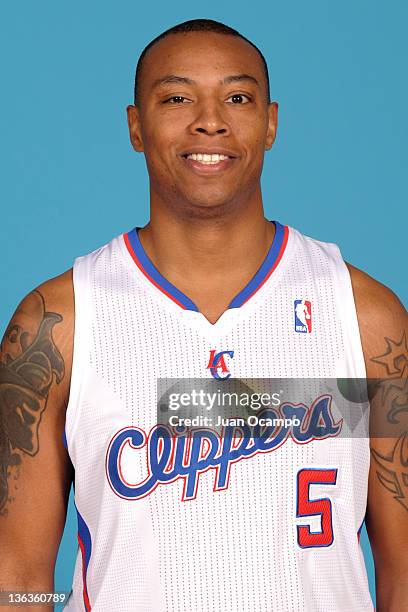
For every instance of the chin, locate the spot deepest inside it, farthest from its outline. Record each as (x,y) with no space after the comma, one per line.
(207,202)
(208,209)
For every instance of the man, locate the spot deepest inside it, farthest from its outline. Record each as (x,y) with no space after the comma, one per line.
(208,289)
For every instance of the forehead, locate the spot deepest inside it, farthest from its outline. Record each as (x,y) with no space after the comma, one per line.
(201,56)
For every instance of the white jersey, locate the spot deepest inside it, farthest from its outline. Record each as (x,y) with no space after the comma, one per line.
(232,527)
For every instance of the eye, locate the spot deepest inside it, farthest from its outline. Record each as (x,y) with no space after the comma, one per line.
(175,100)
(239,98)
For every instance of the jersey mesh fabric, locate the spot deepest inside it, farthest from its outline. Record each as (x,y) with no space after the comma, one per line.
(231,550)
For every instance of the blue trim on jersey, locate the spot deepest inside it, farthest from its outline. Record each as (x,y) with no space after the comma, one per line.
(64,439)
(152,272)
(263,271)
(85,536)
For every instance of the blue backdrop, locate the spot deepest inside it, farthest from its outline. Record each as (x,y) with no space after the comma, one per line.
(71,181)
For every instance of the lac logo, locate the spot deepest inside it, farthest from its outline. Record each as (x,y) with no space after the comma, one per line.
(303,316)
(217,364)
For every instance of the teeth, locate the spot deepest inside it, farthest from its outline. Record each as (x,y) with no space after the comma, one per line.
(206,158)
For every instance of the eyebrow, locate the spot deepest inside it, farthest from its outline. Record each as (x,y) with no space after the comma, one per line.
(173,78)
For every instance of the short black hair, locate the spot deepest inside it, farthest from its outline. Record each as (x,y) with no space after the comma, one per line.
(197,25)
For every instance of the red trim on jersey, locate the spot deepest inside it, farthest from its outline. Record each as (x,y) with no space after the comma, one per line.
(141,268)
(85,589)
(277,260)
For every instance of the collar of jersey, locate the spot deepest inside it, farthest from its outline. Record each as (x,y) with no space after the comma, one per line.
(145,265)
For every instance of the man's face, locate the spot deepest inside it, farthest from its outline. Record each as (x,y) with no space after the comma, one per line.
(203,120)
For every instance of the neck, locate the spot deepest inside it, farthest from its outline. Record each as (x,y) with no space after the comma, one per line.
(209,259)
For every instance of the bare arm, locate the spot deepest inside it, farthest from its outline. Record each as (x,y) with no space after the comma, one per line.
(384,333)
(35,470)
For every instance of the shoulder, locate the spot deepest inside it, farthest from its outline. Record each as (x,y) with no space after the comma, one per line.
(59,291)
(382,321)
(54,295)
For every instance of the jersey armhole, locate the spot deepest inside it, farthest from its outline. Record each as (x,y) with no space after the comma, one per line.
(80,359)
(347,306)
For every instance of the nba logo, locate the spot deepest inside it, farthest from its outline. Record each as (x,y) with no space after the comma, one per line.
(303,316)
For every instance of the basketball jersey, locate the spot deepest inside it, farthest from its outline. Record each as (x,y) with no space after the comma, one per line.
(250,527)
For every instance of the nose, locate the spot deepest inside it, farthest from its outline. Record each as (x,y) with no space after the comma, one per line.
(209,120)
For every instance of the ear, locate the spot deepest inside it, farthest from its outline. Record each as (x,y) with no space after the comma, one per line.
(135,132)
(272,124)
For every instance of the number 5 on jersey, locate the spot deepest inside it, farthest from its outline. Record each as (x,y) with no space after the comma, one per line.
(306,507)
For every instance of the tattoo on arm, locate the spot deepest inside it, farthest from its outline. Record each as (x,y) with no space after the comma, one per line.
(393,470)
(391,394)
(29,362)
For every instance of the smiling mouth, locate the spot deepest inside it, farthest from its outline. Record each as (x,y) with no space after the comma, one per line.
(208,162)
(207,158)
